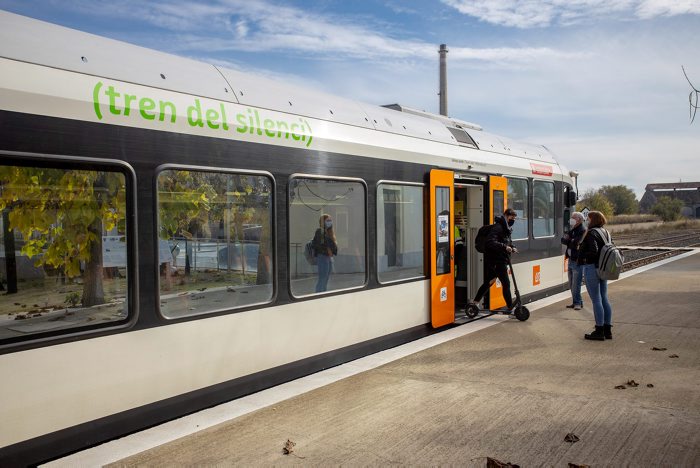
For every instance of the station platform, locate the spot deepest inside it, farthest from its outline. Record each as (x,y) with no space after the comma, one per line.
(496,388)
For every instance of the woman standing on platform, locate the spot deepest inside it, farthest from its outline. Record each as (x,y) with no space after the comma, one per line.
(572,240)
(597,288)
(325,247)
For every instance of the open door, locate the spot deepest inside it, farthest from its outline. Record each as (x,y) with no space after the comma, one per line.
(442,281)
(498,196)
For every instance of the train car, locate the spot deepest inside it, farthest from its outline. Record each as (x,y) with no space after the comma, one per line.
(164,233)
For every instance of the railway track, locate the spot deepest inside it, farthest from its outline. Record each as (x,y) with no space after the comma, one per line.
(687,238)
(635,258)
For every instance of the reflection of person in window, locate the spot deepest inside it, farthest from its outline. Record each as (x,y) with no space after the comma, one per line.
(325,247)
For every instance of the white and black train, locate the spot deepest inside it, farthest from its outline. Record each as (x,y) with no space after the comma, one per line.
(158,226)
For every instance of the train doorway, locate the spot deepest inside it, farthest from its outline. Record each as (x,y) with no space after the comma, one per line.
(457,211)
(469,217)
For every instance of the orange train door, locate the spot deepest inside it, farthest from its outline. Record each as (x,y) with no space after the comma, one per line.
(498,197)
(442,285)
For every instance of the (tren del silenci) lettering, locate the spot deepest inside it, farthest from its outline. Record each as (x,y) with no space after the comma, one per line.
(252,122)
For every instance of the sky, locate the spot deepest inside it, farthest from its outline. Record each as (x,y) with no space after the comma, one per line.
(599,82)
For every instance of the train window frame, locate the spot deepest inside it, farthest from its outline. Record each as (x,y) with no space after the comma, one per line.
(554,208)
(64,335)
(528,228)
(273,237)
(288,240)
(407,184)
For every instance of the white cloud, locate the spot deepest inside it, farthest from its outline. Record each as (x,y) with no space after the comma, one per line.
(260,26)
(542,13)
(653,8)
(241,29)
(632,160)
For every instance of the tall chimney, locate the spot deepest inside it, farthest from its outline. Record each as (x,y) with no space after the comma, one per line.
(443,79)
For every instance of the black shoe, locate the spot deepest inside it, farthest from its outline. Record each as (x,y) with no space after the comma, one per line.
(571,306)
(598,334)
(607,329)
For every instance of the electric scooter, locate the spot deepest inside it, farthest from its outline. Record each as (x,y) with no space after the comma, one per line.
(520,311)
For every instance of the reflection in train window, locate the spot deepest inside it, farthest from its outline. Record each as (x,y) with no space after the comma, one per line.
(215,241)
(543,209)
(399,232)
(63,256)
(518,200)
(326,235)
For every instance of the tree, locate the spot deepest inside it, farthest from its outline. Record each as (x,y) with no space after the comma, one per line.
(622,198)
(61,215)
(595,201)
(669,209)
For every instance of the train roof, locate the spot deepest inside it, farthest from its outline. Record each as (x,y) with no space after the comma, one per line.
(36,42)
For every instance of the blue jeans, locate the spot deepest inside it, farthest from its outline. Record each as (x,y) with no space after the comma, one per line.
(575,282)
(598,291)
(324,264)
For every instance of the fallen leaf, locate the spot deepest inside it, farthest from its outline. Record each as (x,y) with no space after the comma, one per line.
(673,356)
(571,437)
(620,387)
(288,447)
(493,463)
(632,383)
(658,349)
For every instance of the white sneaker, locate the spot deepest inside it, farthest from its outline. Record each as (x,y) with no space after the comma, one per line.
(578,307)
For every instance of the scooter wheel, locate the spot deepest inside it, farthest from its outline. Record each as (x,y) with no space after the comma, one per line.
(522,313)
(472,311)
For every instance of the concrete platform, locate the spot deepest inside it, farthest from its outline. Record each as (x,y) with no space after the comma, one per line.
(511,392)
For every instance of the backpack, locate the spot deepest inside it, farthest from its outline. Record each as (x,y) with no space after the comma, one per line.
(481,236)
(610,259)
(309,253)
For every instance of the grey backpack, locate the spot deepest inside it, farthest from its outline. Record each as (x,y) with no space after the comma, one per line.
(610,259)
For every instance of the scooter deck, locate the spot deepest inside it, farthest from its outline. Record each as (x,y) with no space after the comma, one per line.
(520,311)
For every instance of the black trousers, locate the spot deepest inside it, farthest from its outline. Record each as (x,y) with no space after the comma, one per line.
(500,271)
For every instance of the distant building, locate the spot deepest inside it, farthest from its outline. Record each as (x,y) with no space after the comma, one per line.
(687,192)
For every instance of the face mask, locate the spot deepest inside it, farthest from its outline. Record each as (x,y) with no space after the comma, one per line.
(572,222)
(329,224)
(511,222)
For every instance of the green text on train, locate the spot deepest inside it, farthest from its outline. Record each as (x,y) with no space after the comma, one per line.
(253,121)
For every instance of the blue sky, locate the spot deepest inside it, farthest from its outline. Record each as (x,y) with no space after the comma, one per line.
(599,82)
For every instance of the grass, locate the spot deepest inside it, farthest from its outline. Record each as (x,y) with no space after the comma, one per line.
(43,295)
(681,225)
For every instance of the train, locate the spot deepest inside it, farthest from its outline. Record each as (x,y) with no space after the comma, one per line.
(157,213)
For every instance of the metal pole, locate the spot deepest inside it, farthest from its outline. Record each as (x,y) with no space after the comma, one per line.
(443,79)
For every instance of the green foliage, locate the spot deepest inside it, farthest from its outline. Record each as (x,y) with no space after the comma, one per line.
(61,214)
(669,209)
(184,201)
(595,201)
(73,299)
(623,199)
(54,210)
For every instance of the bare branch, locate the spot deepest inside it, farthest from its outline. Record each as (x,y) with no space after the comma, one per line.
(692,97)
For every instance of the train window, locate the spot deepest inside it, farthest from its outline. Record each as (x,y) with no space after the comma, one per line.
(443,235)
(498,207)
(543,209)
(518,196)
(327,232)
(215,248)
(399,232)
(63,252)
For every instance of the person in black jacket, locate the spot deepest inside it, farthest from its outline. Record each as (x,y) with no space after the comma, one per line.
(571,240)
(588,253)
(325,247)
(498,249)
